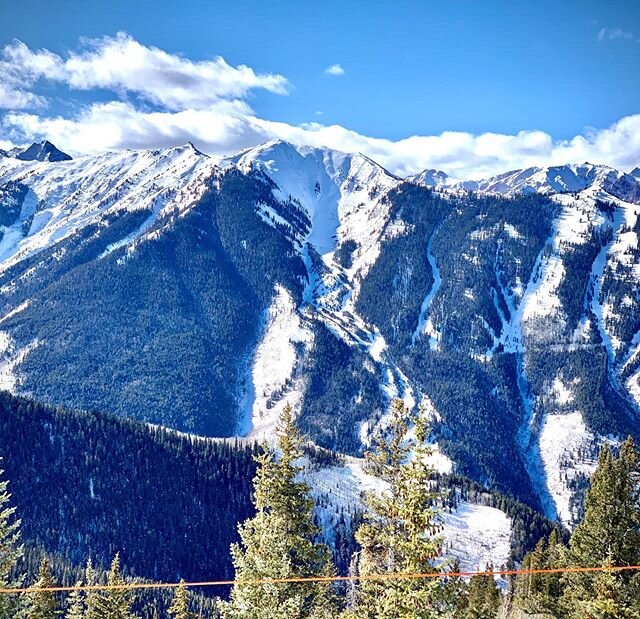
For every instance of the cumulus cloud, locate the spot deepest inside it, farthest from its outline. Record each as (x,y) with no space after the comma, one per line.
(220,121)
(123,65)
(231,126)
(334,69)
(611,34)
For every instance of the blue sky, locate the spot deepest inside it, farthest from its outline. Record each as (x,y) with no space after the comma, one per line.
(411,68)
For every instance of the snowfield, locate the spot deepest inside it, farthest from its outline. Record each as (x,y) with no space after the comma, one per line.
(561,439)
(273,380)
(475,535)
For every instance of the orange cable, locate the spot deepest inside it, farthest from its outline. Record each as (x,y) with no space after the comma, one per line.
(318,579)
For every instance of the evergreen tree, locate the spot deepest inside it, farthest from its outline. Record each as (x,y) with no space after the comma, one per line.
(455,592)
(43,603)
(401,529)
(114,603)
(10,551)
(180,607)
(609,535)
(280,541)
(484,597)
(76,604)
(492,596)
(92,596)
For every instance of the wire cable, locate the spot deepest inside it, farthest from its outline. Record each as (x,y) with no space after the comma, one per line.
(319,579)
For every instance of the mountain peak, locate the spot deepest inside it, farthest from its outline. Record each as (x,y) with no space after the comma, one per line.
(192,147)
(431,178)
(41,151)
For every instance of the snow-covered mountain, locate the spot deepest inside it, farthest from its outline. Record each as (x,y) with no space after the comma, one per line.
(202,294)
(38,151)
(560,179)
(431,178)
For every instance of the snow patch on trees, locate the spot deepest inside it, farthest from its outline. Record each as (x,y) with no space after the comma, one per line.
(274,379)
(474,534)
(565,443)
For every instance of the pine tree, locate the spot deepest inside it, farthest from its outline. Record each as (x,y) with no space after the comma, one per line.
(43,603)
(180,607)
(609,535)
(492,596)
(114,603)
(455,592)
(484,597)
(401,529)
(92,596)
(10,551)
(76,604)
(280,541)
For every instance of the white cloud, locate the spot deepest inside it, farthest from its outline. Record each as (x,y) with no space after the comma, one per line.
(231,126)
(334,69)
(611,34)
(204,102)
(123,65)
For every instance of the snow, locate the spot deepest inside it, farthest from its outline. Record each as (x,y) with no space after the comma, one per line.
(477,535)
(273,380)
(66,196)
(561,438)
(10,359)
(570,178)
(20,308)
(600,310)
(341,194)
(633,386)
(562,392)
(474,534)
(425,325)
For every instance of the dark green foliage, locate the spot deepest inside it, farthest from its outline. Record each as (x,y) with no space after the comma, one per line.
(477,417)
(90,485)
(604,410)
(574,291)
(483,246)
(43,604)
(12,195)
(484,597)
(607,536)
(344,254)
(393,290)
(11,551)
(343,390)
(281,541)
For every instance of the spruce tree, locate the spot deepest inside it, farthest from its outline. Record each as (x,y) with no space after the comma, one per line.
(280,541)
(76,604)
(484,597)
(179,609)
(92,595)
(10,551)
(609,535)
(455,592)
(43,603)
(114,603)
(402,526)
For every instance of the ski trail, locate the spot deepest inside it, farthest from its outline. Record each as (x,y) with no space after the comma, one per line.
(437,282)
